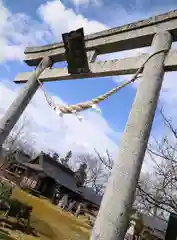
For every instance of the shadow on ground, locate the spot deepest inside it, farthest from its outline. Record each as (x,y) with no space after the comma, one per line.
(11,224)
(50,222)
(43,228)
(4,235)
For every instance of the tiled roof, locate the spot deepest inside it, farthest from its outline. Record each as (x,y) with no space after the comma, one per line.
(158,225)
(63,175)
(22,157)
(35,167)
(90,195)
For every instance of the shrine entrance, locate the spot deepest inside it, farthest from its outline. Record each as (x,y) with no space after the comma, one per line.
(158,32)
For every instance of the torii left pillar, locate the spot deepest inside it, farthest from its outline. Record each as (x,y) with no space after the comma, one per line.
(14,112)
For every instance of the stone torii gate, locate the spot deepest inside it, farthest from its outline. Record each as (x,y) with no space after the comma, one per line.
(161,31)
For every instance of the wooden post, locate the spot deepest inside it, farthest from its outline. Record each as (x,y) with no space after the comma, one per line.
(14,112)
(113,217)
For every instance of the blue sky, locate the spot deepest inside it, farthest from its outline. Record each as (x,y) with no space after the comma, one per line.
(41,22)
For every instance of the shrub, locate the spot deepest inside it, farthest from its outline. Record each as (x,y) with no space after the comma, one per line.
(5,191)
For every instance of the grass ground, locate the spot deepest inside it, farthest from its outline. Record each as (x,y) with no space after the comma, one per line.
(50,222)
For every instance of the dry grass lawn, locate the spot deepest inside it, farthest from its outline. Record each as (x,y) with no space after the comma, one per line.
(50,222)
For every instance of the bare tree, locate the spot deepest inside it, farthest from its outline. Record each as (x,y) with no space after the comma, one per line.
(66,160)
(96,173)
(161,192)
(156,192)
(20,139)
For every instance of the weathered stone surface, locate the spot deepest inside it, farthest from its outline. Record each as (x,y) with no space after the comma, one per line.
(130,36)
(101,69)
(116,205)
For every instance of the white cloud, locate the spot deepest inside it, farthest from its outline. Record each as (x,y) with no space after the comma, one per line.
(125,54)
(61,19)
(49,131)
(61,134)
(19,30)
(78,3)
(70,20)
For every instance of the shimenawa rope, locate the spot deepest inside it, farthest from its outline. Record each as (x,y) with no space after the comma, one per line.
(89,104)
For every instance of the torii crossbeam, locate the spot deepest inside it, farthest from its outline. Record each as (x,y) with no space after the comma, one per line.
(161,31)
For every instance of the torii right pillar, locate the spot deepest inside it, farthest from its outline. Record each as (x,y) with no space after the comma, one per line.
(113,216)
